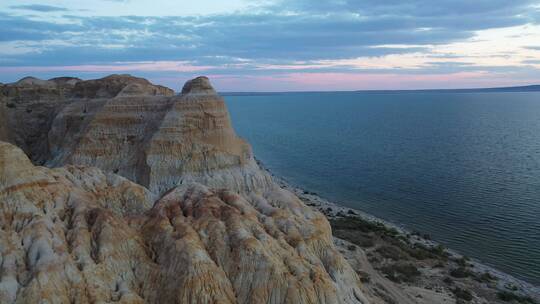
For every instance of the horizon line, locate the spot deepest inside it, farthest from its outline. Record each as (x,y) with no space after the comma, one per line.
(536,88)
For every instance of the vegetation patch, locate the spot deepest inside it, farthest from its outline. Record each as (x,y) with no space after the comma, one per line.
(512,297)
(462,294)
(358,224)
(463,261)
(391,252)
(366,233)
(486,277)
(400,272)
(422,252)
(460,272)
(363,240)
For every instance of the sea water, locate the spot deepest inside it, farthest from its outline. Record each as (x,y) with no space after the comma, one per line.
(462,167)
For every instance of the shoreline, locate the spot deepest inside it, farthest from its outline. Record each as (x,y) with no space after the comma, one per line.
(334,211)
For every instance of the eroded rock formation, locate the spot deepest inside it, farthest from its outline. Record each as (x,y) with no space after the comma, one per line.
(152,199)
(126,125)
(30,105)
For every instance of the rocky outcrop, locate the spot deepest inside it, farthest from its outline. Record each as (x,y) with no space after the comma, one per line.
(153,199)
(200,85)
(28,108)
(157,141)
(30,105)
(107,133)
(4,133)
(127,125)
(49,244)
(111,86)
(196,142)
(79,235)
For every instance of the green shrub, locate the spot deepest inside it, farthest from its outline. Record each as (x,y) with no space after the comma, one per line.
(421,252)
(463,294)
(391,252)
(439,250)
(363,240)
(486,277)
(512,297)
(358,224)
(401,272)
(460,272)
(462,261)
(439,265)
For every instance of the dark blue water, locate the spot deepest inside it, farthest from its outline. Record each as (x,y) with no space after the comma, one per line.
(463,167)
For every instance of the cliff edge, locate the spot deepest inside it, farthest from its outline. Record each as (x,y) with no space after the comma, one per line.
(149,197)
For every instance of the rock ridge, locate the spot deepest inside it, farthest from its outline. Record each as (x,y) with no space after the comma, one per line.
(198,85)
(29,106)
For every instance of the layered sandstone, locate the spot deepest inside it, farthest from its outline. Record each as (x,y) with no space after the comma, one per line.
(79,235)
(196,142)
(129,126)
(113,85)
(29,106)
(153,199)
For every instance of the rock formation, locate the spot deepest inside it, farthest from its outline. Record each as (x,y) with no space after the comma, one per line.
(28,108)
(30,105)
(196,142)
(126,125)
(112,86)
(152,198)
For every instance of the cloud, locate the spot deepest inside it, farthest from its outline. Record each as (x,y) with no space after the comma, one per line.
(148,66)
(21,28)
(297,30)
(39,8)
(414,8)
(416,36)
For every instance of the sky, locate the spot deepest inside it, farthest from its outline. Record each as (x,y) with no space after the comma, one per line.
(277,45)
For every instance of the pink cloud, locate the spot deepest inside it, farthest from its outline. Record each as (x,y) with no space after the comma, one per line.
(359,81)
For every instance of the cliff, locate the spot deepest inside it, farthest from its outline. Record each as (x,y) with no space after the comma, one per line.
(30,105)
(126,125)
(149,198)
